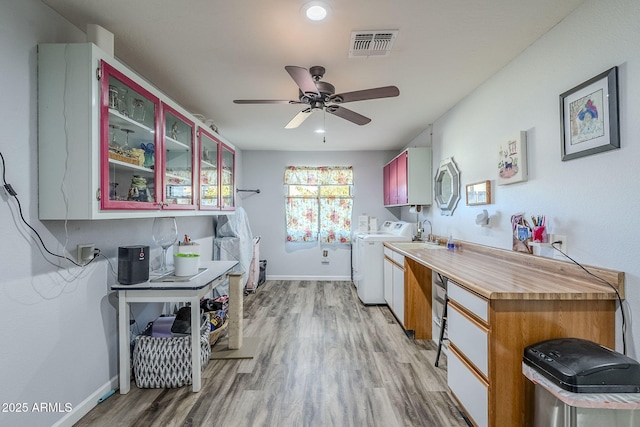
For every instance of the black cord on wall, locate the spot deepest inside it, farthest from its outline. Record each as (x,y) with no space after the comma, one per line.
(9,189)
(624,322)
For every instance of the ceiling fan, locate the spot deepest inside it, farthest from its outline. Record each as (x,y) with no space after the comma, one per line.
(320,95)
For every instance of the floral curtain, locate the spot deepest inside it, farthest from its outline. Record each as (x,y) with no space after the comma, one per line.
(318,203)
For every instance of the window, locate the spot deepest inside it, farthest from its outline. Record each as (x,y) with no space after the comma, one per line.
(318,202)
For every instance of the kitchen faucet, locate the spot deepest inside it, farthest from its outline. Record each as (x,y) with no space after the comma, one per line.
(430,227)
(421,229)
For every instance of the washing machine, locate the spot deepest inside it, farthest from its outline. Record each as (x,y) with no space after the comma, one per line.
(368,258)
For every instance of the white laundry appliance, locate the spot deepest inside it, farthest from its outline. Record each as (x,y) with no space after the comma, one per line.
(367,258)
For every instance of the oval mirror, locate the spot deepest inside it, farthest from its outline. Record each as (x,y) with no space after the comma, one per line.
(447,186)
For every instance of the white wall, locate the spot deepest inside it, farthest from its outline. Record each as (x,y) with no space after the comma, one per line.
(264,170)
(59,331)
(592,200)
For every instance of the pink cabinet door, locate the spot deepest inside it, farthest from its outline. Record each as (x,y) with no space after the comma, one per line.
(401,180)
(386,185)
(129,127)
(393,183)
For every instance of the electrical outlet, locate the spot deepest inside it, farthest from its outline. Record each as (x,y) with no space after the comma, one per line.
(325,256)
(85,253)
(562,245)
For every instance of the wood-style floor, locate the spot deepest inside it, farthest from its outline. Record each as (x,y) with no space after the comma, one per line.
(324,359)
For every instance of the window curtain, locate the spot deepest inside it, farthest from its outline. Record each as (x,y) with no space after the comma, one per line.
(318,204)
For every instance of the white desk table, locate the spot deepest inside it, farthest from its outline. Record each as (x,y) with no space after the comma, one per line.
(179,291)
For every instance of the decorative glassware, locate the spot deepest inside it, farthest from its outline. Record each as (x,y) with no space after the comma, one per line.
(113,97)
(137,110)
(123,108)
(165,234)
(113,143)
(126,141)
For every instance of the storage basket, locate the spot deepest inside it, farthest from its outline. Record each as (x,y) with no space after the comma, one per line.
(125,159)
(166,362)
(215,335)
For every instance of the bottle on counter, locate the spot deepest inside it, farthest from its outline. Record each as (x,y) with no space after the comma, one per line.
(450,245)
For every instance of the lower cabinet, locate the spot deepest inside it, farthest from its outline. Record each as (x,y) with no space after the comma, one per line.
(489,330)
(387,277)
(468,362)
(469,388)
(486,343)
(398,292)
(394,283)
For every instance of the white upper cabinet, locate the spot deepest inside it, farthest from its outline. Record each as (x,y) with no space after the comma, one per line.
(110,144)
(407,178)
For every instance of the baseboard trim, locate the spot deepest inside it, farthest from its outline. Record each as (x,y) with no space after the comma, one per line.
(87,405)
(312,278)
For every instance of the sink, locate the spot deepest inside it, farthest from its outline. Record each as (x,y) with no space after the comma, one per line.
(418,245)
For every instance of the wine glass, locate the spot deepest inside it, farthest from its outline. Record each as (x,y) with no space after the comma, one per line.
(165,234)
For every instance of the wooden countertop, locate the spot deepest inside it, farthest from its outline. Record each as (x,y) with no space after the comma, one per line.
(499,274)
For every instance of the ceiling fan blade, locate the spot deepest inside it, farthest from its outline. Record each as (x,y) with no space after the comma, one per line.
(264,101)
(302,78)
(361,95)
(347,114)
(299,118)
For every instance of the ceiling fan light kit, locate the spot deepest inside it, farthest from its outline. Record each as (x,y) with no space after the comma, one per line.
(320,95)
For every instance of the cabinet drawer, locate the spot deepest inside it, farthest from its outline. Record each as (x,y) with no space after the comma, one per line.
(398,258)
(387,252)
(469,337)
(471,392)
(475,304)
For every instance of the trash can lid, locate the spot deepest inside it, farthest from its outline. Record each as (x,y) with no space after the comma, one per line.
(582,366)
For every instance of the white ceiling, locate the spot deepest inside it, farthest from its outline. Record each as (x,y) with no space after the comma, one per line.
(206,53)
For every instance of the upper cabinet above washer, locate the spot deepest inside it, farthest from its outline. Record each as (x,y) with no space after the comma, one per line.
(407,178)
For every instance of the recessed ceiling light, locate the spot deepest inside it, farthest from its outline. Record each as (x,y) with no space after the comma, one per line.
(319,131)
(316,10)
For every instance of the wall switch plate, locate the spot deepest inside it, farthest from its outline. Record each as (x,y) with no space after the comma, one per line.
(85,253)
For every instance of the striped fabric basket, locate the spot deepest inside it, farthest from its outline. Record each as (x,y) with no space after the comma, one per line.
(166,362)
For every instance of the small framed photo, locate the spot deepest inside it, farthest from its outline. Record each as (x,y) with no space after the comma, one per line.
(589,116)
(479,193)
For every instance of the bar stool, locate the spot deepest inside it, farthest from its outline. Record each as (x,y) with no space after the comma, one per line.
(442,282)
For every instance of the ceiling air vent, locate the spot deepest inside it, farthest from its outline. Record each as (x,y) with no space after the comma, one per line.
(371,43)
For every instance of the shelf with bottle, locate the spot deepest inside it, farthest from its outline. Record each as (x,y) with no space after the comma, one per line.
(209,166)
(129,105)
(171,144)
(128,141)
(118,119)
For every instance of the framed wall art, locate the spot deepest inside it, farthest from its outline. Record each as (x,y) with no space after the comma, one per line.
(512,159)
(479,193)
(589,116)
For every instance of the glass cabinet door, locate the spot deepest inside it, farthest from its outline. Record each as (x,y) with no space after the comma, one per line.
(208,170)
(227,178)
(129,116)
(178,160)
